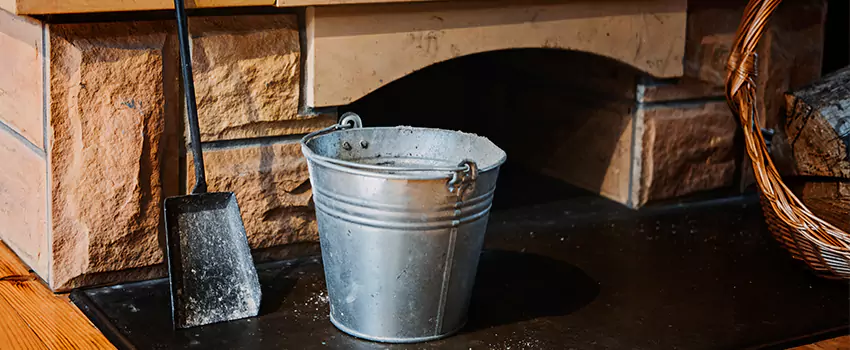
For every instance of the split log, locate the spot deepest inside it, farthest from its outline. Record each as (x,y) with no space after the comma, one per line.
(818,126)
(817,133)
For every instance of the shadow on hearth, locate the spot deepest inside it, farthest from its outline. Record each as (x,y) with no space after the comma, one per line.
(277,287)
(513,287)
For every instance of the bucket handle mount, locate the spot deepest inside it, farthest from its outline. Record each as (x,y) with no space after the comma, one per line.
(462,177)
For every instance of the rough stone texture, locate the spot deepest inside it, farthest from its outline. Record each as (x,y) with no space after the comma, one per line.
(790,56)
(790,52)
(112,277)
(793,54)
(686,149)
(107,117)
(23,201)
(272,188)
(247,75)
(21,99)
(116,123)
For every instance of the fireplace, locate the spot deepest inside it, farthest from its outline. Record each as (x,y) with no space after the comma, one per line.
(619,99)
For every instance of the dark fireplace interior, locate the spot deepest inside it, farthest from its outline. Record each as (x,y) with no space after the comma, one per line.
(539,105)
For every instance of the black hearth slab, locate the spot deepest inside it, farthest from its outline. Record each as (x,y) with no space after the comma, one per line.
(560,276)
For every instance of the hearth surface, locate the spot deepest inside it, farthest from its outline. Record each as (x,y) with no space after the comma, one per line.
(576,274)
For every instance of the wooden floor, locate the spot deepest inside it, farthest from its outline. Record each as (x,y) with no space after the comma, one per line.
(32,317)
(842,343)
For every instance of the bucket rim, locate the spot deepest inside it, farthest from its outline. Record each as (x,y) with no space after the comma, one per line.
(313,157)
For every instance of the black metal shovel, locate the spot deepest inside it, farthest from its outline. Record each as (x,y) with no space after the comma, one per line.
(212,275)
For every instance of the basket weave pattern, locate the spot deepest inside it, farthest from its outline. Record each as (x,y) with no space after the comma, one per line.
(822,246)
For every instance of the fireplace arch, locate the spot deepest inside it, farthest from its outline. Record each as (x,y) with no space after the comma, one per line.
(354,50)
(565,118)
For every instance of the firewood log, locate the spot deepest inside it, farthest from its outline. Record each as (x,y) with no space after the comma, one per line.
(817,133)
(817,126)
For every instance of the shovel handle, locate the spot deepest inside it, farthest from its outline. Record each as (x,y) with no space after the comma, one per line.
(191,105)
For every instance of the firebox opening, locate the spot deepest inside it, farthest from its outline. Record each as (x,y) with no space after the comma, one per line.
(563,118)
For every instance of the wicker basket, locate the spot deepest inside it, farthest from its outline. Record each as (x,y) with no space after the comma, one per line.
(822,246)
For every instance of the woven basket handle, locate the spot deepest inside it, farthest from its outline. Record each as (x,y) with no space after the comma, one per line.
(741,97)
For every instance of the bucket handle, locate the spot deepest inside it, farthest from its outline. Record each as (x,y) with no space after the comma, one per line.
(462,176)
(348,120)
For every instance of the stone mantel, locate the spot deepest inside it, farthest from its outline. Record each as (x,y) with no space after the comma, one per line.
(354,50)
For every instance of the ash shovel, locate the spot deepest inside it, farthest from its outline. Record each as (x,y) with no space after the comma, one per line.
(210,268)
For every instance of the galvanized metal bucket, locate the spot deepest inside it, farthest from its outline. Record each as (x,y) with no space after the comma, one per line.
(402,213)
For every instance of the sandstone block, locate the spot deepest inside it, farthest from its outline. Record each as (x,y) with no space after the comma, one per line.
(272,187)
(108,111)
(247,77)
(686,149)
(21,98)
(709,63)
(23,201)
(790,53)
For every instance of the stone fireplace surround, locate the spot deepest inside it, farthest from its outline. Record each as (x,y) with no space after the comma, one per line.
(91,126)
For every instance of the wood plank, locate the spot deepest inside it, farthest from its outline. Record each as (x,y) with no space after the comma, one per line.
(33,7)
(840,343)
(23,193)
(57,323)
(21,90)
(14,331)
(353,50)
(10,265)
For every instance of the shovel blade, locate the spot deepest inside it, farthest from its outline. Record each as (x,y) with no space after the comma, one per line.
(210,268)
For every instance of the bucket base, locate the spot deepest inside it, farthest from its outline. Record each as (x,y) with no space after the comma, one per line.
(357,334)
